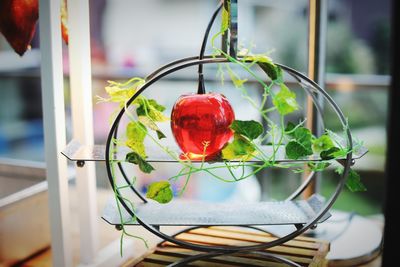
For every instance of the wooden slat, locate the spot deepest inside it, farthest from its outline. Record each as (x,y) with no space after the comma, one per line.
(251,237)
(238,259)
(232,242)
(169,259)
(149,264)
(299,259)
(259,233)
(220,261)
(320,257)
(302,250)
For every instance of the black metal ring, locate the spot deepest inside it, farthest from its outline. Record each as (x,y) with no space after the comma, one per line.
(184,64)
(209,255)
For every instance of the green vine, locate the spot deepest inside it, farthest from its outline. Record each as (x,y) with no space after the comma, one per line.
(244,151)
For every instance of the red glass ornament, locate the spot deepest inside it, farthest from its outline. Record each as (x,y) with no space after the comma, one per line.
(18,20)
(200,124)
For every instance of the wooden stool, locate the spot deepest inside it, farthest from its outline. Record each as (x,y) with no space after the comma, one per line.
(302,250)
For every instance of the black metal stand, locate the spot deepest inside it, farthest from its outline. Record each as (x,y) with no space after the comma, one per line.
(347,162)
(319,210)
(208,255)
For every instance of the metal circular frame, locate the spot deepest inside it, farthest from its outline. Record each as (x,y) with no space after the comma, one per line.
(193,61)
(209,255)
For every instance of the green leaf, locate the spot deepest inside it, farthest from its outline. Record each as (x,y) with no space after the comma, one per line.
(292,130)
(318,166)
(160,134)
(122,92)
(290,127)
(137,146)
(136,133)
(285,100)
(303,136)
(279,72)
(152,125)
(156,105)
(324,142)
(329,154)
(135,158)
(300,144)
(239,149)
(259,58)
(273,71)
(270,69)
(265,63)
(136,130)
(160,191)
(342,153)
(250,129)
(353,181)
(237,82)
(150,108)
(296,150)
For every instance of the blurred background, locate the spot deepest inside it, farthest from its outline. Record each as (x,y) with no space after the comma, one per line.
(132,38)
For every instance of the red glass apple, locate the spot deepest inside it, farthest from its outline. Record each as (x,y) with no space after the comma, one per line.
(200,124)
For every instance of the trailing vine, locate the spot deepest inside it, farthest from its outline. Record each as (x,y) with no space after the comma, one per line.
(244,151)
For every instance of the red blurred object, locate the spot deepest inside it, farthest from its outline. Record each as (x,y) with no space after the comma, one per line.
(200,124)
(18,20)
(64,20)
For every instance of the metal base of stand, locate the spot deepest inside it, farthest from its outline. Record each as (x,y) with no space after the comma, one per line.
(354,239)
(300,251)
(210,255)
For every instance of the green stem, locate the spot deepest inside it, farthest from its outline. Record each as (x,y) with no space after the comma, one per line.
(186,182)
(116,195)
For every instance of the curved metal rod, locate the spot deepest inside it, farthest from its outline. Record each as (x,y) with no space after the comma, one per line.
(283,239)
(316,104)
(176,62)
(258,229)
(209,255)
(201,88)
(273,257)
(168,65)
(198,247)
(185,261)
(239,226)
(302,187)
(188,229)
(122,171)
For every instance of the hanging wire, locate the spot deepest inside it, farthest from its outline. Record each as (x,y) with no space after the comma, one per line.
(202,89)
